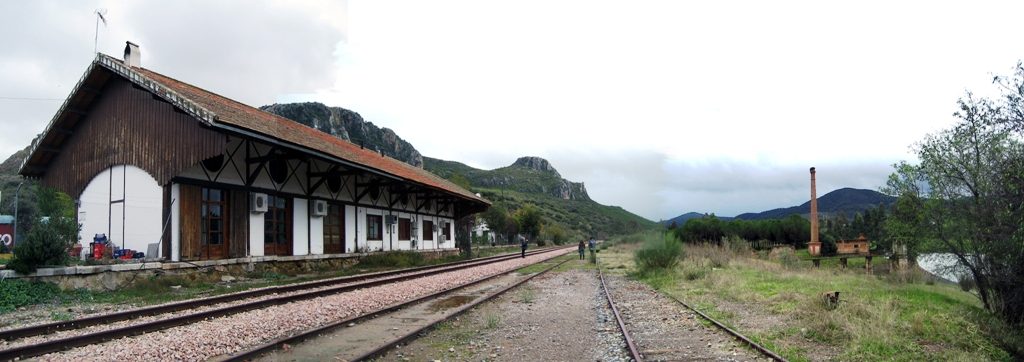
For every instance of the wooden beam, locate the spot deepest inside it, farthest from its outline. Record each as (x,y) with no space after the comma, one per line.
(48,149)
(362,194)
(323,177)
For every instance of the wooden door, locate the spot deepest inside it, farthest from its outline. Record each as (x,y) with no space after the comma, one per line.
(334,229)
(191,198)
(213,212)
(277,226)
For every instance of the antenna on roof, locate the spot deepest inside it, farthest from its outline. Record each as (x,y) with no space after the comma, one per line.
(99,18)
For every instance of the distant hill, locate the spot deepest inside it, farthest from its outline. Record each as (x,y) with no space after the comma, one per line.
(534,180)
(528,174)
(349,126)
(681,219)
(846,200)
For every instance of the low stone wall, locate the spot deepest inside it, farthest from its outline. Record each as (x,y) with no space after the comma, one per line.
(116,276)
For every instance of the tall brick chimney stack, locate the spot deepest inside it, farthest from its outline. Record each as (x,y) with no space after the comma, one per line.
(814,247)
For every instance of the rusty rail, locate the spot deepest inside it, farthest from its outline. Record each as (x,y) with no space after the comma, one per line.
(633,351)
(748,341)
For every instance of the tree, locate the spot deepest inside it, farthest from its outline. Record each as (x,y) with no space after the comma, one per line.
(966,196)
(496,218)
(556,233)
(529,221)
(47,242)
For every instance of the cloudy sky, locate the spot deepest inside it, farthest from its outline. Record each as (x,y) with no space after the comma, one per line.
(659,107)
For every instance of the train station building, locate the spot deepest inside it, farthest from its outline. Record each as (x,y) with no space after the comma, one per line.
(153,160)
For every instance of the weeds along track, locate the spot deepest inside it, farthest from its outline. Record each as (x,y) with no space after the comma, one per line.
(638,356)
(418,312)
(54,337)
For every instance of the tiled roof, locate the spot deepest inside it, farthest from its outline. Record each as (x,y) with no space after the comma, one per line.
(230,112)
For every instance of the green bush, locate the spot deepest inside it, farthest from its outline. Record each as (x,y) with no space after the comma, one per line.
(46,244)
(659,252)
(15,293)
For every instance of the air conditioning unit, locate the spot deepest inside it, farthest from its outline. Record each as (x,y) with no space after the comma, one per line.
(390,219)
(257,202)
(319,208)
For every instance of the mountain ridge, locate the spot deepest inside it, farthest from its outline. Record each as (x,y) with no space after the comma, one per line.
(846,200)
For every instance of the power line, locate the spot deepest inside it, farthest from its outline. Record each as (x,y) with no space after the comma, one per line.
(30,99)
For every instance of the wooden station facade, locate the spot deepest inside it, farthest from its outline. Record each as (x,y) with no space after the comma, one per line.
(153,160)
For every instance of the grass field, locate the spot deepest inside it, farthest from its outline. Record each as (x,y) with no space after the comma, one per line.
(895,317)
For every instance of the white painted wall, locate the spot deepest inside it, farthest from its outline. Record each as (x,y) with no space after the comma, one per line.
(316,234)
(350,231)
(141,210)
(175,222)
(300,228)
(256,225)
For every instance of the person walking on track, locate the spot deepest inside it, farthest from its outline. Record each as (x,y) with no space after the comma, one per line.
(523,245)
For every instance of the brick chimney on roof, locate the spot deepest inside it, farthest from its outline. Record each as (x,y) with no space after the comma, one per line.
(132,55)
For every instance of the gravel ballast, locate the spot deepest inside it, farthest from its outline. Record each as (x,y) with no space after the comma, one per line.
(225,335)
(559,316)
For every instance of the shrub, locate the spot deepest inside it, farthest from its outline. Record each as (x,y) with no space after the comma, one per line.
(46,244)
(15,293)
(694,273)
(786,257)
(736,245)
(659,252)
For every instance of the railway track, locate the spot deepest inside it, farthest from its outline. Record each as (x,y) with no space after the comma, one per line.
(638,356)
(34,342)
(372,335)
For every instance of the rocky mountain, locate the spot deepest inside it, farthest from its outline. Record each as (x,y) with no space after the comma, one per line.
(527,174)
(349,126)
(533,180)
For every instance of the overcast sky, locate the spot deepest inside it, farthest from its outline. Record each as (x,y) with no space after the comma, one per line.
(659,107)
